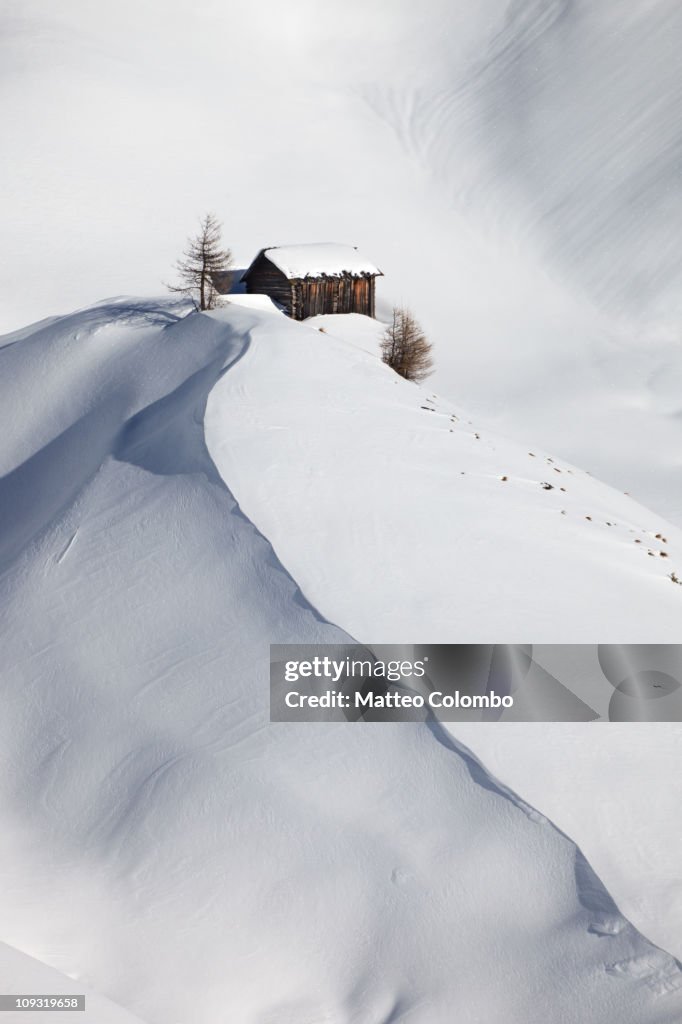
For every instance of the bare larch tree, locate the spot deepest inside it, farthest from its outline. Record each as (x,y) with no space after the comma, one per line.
(405,347)
(203,258)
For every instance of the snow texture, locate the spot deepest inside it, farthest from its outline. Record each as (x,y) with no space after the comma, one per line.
(161,843)
(25,975)
(320,259)
(627,828)
(512,167)
(416,521)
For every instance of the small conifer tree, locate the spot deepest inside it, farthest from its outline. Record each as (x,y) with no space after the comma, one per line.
(203,259)
(405,347)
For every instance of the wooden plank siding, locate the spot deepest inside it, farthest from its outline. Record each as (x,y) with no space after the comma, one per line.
(311,296)
(264,278)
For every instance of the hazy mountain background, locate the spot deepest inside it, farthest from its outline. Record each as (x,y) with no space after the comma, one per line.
(512,167)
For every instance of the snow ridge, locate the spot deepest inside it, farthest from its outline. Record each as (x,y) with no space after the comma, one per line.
(393,878)
(661,971)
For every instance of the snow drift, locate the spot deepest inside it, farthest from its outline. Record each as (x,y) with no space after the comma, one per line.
(511,166)
(161,844)
(415,520)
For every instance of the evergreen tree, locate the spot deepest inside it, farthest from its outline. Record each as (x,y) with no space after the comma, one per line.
(203,258)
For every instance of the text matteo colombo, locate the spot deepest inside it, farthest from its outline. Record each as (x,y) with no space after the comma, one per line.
(369,699)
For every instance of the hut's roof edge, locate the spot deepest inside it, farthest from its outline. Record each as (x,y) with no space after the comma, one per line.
(317,259)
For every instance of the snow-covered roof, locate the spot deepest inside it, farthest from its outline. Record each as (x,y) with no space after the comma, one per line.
(317,259)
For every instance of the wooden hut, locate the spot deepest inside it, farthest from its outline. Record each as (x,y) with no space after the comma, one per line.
(319,277)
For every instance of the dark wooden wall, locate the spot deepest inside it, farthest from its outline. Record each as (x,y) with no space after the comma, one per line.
(314,295)
(264,278)
(332,295)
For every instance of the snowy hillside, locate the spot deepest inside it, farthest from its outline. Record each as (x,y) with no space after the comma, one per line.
(161,844)
(20,973)
(176,493)
(512,167)
(416,523)
(628,828)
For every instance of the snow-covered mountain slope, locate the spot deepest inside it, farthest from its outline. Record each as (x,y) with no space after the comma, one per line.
(415,522)
(628,827)
(161,843)
(561,122)
(408,530)
(510,166)
(23,974)
(554,144)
